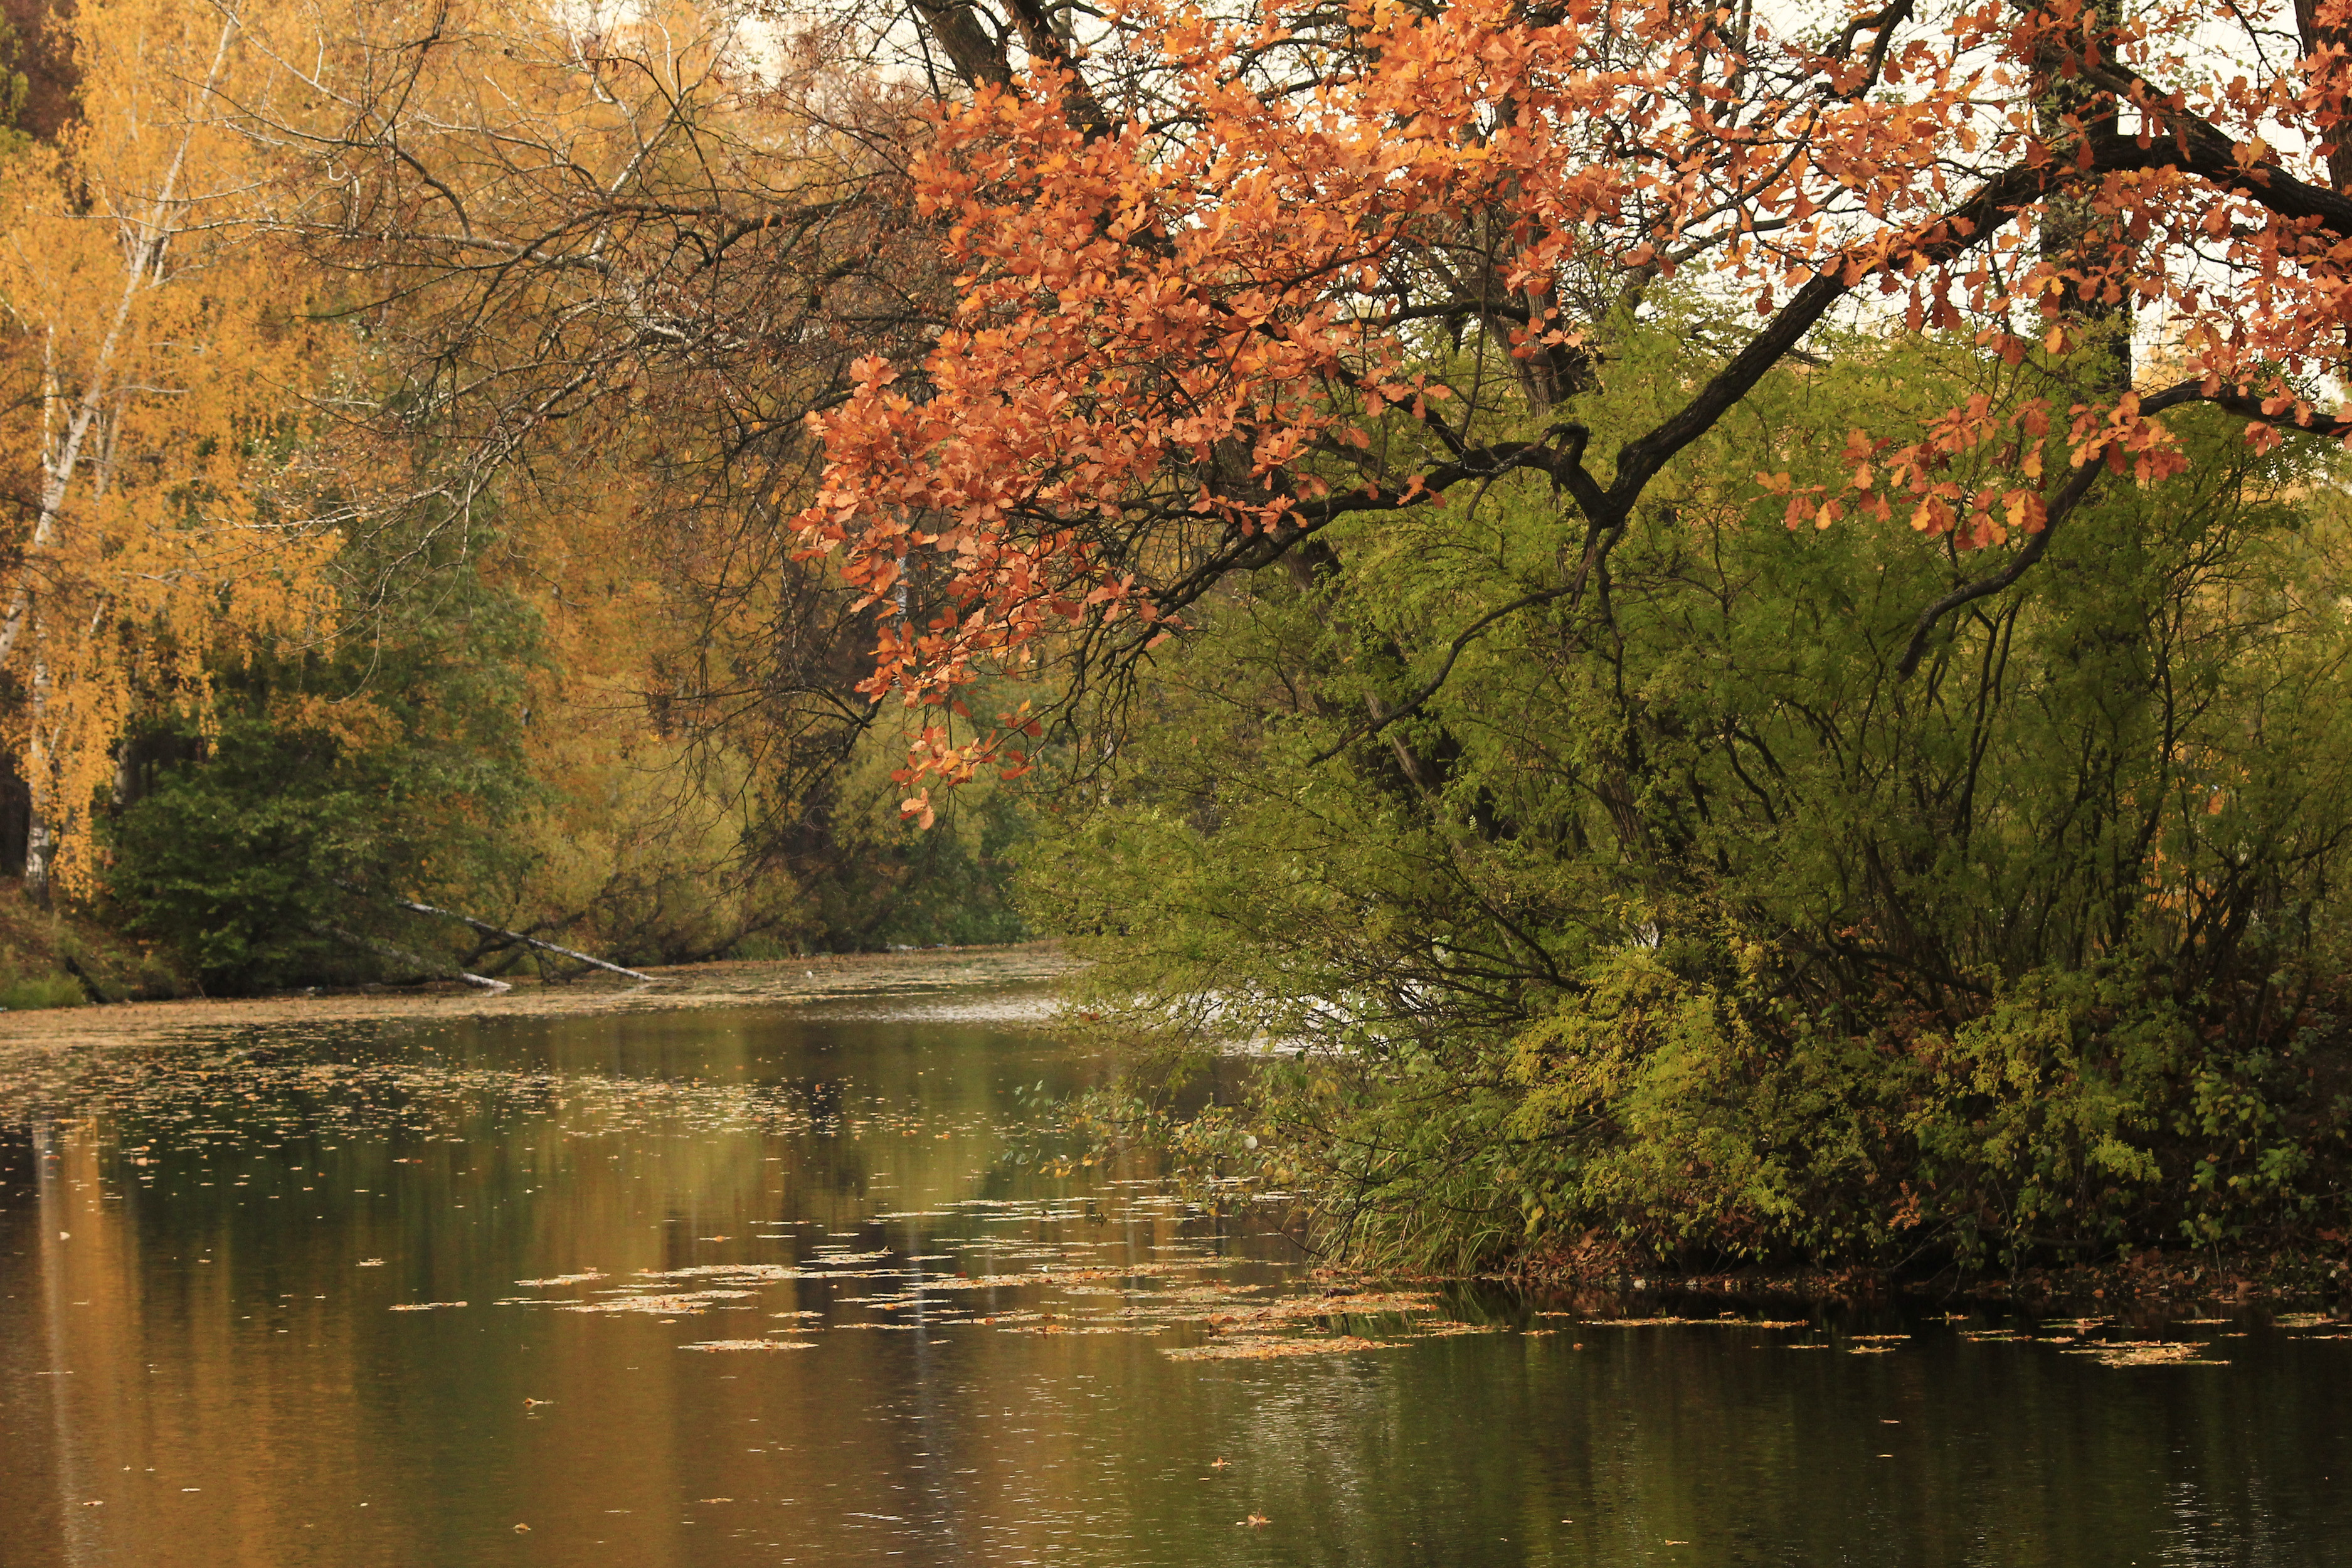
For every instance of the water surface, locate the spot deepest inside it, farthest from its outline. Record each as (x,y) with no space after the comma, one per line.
(757,1285)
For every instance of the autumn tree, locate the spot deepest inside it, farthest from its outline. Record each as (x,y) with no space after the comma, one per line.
(608,264)
(162,371)
(1735,629)
(1202,257)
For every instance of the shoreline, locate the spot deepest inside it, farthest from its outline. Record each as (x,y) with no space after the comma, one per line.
(730,982)
(2147,1280)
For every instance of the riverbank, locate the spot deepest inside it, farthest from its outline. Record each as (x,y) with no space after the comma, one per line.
(2154,1279)
(731,983)
(50,959)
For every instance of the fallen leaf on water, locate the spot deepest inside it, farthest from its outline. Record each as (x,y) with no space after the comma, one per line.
(670,1303)
(1249,1348)
(1257,1521)
(2144,1352)
(522,1529)
(751,1346)
(1682,1323)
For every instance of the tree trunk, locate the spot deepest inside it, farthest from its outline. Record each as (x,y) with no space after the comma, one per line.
(40,846)
(40,785)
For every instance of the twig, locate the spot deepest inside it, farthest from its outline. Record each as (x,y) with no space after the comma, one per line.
(2071,496)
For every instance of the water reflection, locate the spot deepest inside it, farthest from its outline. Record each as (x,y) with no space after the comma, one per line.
(200,1247)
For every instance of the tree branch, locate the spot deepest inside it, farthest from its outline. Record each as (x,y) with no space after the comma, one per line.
(2078,485)
(487,928)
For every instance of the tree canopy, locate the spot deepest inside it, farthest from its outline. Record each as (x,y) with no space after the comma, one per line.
(1203,260)
(162,371)
(328,325)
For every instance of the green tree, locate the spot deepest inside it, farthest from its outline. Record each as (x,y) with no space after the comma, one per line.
(263,852)
(1679,916)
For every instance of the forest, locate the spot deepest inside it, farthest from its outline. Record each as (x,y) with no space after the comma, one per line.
(1710,633)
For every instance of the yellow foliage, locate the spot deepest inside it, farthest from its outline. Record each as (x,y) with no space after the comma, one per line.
(168,366)
(645,827)
(532,208)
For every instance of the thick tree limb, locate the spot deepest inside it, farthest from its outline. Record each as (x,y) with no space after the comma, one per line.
(956,28)
(487,928)
(416,961)
(2180,140)
(2071,495)
(1253,551)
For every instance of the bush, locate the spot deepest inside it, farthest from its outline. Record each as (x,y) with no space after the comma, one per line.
(28,993)
(1679,917)
(261,854)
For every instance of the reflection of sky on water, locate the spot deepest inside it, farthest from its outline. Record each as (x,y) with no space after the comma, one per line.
(201,1245)
(983,1007)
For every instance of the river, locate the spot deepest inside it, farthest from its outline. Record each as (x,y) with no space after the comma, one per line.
(756,1284)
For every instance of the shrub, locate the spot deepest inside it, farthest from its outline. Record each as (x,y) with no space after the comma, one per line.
(1679,915)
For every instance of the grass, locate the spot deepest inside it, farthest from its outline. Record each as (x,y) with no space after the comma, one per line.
(65,955)
(28,993)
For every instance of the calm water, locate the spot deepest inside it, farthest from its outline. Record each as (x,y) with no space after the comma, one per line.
(230,1333)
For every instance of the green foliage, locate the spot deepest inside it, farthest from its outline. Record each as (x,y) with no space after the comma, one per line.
(397,766)
(389,766)
(14,91)
(1678,919)
(875,880)
(948,884)
(28,993)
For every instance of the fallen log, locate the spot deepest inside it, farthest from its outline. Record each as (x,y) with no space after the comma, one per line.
(487,928)
(416,961)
